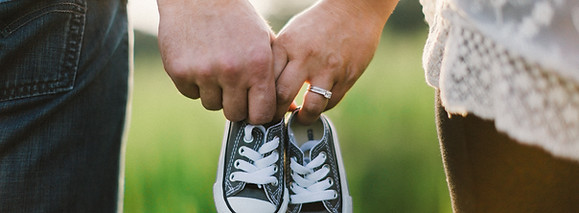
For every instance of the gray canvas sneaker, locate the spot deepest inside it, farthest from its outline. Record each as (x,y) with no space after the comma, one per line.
(317,179)
(250,173)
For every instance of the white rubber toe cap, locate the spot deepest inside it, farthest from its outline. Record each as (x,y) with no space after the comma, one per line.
(249,205)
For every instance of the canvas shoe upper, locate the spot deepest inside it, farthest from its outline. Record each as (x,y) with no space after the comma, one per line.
(317,179)
(250,174)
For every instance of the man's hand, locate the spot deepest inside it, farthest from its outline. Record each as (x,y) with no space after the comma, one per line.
(220,51)
(328,46)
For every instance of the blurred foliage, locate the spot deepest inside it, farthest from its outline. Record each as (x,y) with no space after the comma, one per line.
(385,124)
(145,47)
(280,12)
(406,18)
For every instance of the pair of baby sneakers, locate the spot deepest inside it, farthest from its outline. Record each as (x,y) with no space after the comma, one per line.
(279,167)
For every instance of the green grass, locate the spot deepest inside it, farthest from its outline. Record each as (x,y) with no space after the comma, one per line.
(385,124)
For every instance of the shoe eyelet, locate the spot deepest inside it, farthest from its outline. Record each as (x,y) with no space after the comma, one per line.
(330,181)
(241,150)
(335,195)
(326,166)
(275,183)
(236,164)
(323,154)
(275,168)
(232,177)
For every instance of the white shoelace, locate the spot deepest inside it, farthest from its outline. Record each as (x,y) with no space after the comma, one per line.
(263,167)
(307,183)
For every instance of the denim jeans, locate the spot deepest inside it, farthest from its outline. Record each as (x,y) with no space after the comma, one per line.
(64,82)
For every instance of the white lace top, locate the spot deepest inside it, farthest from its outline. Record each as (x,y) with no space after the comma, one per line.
(513,61)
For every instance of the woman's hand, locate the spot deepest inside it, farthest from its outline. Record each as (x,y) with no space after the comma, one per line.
(328,46)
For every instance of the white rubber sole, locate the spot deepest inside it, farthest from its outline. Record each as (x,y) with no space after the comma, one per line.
(218,197)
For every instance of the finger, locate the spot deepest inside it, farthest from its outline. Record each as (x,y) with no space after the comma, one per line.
(280,59)
(261,102)
(314,104)
(211,97)
(235,103)
(338,92)
(341,87)
(293,107)
(188,90)
(288,86)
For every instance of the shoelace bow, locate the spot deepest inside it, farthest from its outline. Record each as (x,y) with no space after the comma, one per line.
(263,167)
(307,183)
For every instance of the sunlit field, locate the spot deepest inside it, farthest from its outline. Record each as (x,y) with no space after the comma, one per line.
(385,125)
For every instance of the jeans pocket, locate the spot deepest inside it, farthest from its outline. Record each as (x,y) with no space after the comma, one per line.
(40,46)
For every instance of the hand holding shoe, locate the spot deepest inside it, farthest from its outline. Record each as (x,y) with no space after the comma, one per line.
(220,51)
(328,46)
(224,53)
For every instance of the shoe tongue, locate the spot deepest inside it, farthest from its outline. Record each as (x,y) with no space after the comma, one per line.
(310,134)
(309,145)
(307,148)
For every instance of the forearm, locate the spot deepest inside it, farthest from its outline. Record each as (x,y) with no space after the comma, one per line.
(374,12)
(202,9)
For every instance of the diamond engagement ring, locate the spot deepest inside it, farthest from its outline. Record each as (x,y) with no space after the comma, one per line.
(327,94)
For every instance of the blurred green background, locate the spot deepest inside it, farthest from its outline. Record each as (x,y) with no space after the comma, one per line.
(385,125)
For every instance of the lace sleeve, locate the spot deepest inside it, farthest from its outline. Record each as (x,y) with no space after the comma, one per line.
(514,62)
(544,32)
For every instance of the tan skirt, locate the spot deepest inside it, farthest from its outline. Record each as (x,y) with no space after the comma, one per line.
(487,171)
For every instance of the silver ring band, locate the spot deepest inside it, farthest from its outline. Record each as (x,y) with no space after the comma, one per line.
(327,94)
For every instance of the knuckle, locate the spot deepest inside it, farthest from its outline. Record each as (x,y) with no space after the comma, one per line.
(310,52)
(334,62)
(176,68)
(202,72)
(230,70)
(349,80)
(229,67)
